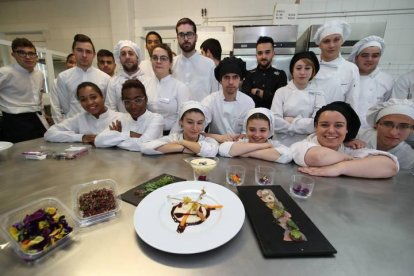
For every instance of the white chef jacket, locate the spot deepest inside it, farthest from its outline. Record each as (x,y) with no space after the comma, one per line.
(20,90)
(375,88)
(197,72)
(149,125)
(165,97)
(114,95)
(404,87)
(285,155)
(300,149)
(72,129)
(227,117)
(302,105)
(209,146)
(64,103)
(339,79)
(403,151)
(146,68)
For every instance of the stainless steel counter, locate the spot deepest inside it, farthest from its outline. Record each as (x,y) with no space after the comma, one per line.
(369,222)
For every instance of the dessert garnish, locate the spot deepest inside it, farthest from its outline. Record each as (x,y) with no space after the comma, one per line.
(301,191)
(264,180)
(40,230)
(191,212)
(283,218)
(235,179)
(153,185)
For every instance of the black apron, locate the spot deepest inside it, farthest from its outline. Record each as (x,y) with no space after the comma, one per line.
(20,127)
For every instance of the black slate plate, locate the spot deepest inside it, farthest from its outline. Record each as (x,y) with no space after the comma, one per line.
(270,235)
(131,197)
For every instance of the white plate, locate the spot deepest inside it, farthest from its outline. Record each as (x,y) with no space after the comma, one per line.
(155,226)
(5,145)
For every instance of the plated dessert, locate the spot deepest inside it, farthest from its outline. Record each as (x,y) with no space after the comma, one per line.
(191,212)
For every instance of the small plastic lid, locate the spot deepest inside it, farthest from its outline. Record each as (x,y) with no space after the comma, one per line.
(95,201)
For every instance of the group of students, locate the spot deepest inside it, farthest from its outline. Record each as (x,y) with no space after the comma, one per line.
(322,153)
(313,120)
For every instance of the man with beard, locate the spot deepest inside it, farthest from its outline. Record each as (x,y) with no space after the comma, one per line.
(64,103)
(190,67)
(128,54)
(376,85)
(262,82)
(228,106)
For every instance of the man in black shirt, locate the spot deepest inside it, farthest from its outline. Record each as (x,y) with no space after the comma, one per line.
(262,82)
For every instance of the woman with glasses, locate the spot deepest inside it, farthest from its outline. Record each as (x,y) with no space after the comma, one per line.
(137,126)
(84,126)
(324,154)
(392,122)
(193,118)
(165,93)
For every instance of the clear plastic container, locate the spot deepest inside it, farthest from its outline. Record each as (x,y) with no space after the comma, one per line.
(17,215)
(89,203)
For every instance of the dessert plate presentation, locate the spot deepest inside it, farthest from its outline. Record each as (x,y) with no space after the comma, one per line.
(155,218)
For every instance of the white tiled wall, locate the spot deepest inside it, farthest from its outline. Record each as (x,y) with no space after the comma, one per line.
(107,21)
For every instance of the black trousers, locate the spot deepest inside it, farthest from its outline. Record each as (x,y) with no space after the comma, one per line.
(20,127)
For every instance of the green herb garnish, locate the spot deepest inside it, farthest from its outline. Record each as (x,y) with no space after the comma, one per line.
(153,185)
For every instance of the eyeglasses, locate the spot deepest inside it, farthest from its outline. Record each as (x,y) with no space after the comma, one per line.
(400,126)
(23,54)
(189,35)
(137,100)
(156,58)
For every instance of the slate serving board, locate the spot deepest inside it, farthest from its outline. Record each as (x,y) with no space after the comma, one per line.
(131,197)
(270,235)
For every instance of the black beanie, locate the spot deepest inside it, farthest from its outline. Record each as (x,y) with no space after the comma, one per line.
(309,55)
(230,65)
(352,120)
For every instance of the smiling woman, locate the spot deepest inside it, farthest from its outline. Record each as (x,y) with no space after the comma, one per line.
(258,144)
(84,126)
(193,118)
(165,93)
(324,154)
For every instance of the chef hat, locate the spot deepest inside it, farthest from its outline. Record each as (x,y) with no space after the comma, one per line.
(185,106)
(369,41)
(126,43)
(230,65)
(332,27)
(263,111)
(393,106)
(352,120)
(309,55)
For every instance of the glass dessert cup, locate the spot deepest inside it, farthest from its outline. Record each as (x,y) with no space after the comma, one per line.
(301,186)
(235,175)
(264,175)
(202,166)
